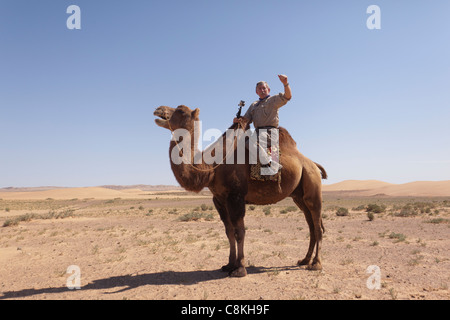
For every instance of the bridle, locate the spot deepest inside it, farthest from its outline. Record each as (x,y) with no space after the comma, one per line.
(240,126)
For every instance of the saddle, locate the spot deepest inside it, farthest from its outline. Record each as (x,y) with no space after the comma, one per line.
(255,169)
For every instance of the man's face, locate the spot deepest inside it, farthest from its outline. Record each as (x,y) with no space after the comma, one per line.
(262,90)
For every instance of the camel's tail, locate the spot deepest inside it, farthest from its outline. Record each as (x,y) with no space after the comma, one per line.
(322,171)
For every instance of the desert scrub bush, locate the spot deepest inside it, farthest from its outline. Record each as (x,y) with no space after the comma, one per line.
(398,236)
(375,208)
(331,208)
(31,216)
(7,223)
(406,211)
(251,208)
(204,207)
(342,212)
(424,207)
(56,215)
(266,210)
(438,221)
(195,216)
(15,221)
(414,209)
(288,209)
(361,207)
(371,216)
(173,211)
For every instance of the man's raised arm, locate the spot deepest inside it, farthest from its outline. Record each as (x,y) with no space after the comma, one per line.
(287,88)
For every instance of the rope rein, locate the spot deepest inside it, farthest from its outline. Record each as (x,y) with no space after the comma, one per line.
(216,166)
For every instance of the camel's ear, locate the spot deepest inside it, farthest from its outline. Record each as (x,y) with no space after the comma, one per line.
(195,113)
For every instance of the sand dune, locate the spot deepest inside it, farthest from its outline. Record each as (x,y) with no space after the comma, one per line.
(373,187)
(69,193)
(90,193)
(418,188)
(349,187)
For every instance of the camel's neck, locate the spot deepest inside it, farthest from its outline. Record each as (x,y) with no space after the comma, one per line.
(187,165)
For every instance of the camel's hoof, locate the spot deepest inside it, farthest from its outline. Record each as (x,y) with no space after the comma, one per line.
(314,267)
(303,262)
(239,272)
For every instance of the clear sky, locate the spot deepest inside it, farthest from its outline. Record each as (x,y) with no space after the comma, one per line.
(76,106)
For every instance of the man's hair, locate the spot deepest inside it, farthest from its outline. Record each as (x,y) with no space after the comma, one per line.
(262,82)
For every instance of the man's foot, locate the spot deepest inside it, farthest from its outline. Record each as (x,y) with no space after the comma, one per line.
(272,164)
(271,168)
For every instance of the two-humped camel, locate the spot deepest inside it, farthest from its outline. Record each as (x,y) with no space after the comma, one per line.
(232,187)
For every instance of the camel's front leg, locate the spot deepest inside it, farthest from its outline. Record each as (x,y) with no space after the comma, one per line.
(232,257)
(239,233)
(236,211)
(229,229)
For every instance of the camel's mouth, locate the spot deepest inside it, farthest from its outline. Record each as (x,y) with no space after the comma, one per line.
(164,113)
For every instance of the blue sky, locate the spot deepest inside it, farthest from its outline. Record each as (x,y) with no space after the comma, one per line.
(76,106)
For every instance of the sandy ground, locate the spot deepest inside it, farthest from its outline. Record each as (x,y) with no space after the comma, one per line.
(142,249)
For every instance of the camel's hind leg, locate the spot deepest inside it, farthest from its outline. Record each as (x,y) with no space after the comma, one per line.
(312,238)
(308,197)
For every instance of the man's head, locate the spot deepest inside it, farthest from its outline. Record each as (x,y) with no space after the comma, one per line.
(262,89)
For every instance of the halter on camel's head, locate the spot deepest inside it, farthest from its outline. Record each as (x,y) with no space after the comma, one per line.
(172,119)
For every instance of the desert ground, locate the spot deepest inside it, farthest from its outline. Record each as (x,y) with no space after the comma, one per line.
(137,243)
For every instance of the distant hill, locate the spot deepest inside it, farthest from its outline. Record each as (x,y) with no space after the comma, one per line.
(364,188)
(104,192)
(351,185)
(374,187)
(29,189)
(143,187)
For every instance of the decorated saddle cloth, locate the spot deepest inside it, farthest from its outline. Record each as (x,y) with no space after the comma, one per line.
(258,171)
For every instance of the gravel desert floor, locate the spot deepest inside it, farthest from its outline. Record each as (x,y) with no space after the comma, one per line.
(168,246)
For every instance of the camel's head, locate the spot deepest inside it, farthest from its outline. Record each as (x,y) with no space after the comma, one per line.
(172,119)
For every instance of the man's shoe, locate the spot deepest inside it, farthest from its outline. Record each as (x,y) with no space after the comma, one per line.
(271,168)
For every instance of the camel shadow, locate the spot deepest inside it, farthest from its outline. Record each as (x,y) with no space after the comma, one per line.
(128,282)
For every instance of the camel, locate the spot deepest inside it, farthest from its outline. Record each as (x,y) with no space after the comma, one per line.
(232,188)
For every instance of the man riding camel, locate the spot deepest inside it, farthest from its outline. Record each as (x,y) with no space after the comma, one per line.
(264,115)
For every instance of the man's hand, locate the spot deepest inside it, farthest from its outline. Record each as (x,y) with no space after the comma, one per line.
(287,88)
(242,121)
(283,79)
